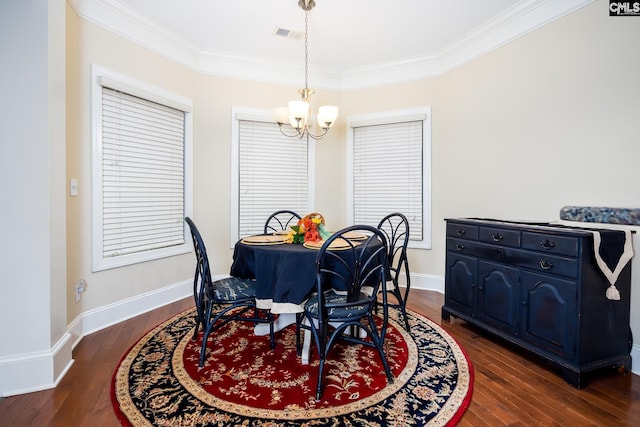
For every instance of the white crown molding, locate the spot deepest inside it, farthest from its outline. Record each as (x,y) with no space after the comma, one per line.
(524,17)
(125,22)
(264,71)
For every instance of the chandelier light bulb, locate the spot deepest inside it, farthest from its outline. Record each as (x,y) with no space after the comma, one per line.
(298,113)
(281,115)
(327,115)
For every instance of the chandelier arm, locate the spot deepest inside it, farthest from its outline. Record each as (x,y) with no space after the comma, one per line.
(301,133)
(297,133)
(318,136)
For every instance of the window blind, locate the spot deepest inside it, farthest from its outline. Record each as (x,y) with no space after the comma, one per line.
(143,179)
(387,173)
(273,174)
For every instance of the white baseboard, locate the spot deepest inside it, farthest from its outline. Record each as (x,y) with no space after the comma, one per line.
(427,282)
(635,359)
(25,373)
(97,319)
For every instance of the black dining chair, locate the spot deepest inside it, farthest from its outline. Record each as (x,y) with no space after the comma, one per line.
(280,221)
(221,301)
(349,275)
(396,229)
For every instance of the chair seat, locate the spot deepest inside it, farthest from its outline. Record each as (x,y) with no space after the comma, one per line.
(233,289)
(331,297)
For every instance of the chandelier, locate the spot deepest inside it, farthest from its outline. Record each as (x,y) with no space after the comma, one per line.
(295,120)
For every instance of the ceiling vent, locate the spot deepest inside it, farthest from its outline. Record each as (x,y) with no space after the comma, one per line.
(288,34)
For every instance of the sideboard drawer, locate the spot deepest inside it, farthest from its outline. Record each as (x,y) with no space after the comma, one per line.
(463,231)
(473,248)
(544,263)
(551,243)
(499,236)
(540,262)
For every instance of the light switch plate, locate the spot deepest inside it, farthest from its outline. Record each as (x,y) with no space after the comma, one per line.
(73,187)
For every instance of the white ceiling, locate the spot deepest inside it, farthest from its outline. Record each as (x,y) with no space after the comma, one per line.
(352,43)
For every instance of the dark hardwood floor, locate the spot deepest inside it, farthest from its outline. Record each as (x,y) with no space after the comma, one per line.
(511,388)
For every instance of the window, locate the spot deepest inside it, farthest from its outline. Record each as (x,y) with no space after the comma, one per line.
(141,171)
(389,170)
(269,172)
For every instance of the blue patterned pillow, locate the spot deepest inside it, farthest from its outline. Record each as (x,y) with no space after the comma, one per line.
(601,214)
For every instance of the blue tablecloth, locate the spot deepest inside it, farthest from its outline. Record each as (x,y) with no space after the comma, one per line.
(284,273)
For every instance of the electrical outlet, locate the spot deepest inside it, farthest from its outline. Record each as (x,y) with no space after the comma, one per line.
(81,286)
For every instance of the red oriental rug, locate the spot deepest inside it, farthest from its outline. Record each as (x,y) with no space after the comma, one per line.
(244,382)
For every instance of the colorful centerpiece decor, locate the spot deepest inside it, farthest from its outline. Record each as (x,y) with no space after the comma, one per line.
(310,228)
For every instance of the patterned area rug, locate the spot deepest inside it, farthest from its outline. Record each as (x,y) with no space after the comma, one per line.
(245,383)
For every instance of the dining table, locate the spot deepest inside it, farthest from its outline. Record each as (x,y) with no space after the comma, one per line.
(284,275)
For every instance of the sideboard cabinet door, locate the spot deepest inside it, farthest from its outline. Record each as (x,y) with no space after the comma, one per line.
(460,283)
(498,296)
(549,316)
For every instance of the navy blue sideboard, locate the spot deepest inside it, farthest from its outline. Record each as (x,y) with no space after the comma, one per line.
(537,286)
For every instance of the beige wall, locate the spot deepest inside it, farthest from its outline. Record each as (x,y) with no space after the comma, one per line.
(88,44)
(544,121)
(213,99)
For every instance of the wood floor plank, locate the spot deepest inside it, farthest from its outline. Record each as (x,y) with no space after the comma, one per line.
(511,387)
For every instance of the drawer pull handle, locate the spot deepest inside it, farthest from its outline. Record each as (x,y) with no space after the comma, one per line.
(498,251)
(460,232)
(547,244)
(497,237)
(460,247)
(545,264)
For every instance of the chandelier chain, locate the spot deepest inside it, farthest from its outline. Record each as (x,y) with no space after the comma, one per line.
(296,118)
(306,50)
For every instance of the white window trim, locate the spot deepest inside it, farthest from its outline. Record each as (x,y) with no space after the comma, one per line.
(423,113)
(100,76)
(244,113)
